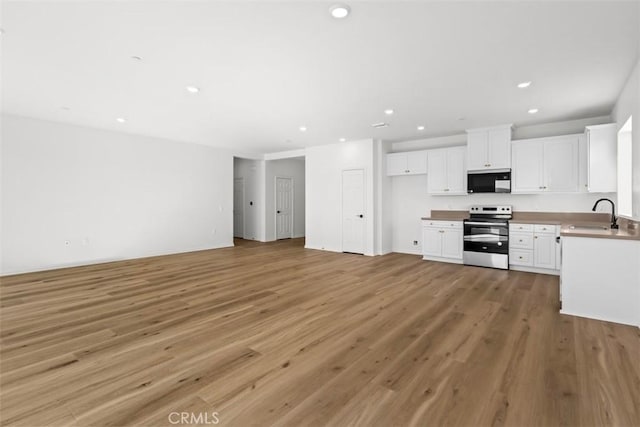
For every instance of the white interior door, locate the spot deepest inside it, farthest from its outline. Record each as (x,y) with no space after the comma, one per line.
(284,208)
(238,207)
(353,220)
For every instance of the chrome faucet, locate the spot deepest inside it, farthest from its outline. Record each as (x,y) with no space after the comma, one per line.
(614,225)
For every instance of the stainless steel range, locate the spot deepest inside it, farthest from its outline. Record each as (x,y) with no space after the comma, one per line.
(486,236)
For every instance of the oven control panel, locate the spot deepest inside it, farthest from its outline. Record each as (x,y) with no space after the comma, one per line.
(502,210)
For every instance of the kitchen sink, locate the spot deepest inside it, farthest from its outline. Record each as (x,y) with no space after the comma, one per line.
(589,227)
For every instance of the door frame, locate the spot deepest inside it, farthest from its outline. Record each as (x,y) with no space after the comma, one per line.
(364,208)
(241,179)
(275,205)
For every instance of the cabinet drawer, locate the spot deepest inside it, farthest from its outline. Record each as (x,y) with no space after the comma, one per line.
(520,227)
(521,240)
(442,224)
(545,229)
(520,257)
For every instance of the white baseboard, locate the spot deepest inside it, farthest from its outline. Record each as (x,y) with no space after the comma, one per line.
(534,270)
(84,263)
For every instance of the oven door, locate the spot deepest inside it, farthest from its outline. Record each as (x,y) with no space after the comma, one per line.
(486,236)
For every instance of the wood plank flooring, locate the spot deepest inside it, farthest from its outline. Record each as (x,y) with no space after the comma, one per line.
(274,334)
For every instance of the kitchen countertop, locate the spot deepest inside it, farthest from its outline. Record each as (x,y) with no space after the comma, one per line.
(446,216)
(621,233)
(564,219)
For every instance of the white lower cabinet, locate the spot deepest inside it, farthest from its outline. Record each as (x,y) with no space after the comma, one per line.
(601,279)
(544,251)
(431,241)
(534,247)
(442,241)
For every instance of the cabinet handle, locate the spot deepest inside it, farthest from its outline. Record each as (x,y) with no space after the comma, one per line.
(519,257)
(535,237)
(489,165)
(406,171)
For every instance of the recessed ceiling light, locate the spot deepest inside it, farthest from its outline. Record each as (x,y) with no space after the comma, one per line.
(339,11)
(136,58)
(420,127)
(192,89)
(533,110)
(524,84)
(461,119)
(303,128)
(65,108)
(343,139)
(120,120)
(388,111)
(380,125)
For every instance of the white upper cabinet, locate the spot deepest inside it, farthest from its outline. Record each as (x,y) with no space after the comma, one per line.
(601,150)
(456,171)
(437,180)
(545,165)
(561,169)
(528,164)
(447,171)
(409,163)
(489,148)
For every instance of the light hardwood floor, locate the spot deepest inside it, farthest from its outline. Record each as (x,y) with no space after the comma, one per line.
(273,334)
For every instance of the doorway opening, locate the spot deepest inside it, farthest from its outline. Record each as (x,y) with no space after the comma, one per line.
(285,198)
(238,208)
(284,207)
(248,196)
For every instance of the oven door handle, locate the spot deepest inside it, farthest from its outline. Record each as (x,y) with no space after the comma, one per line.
(488,238)
(501,224)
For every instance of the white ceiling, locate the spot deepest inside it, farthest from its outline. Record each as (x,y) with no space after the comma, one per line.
(265,68)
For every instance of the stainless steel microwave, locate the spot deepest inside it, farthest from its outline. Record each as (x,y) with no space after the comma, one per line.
(496,181)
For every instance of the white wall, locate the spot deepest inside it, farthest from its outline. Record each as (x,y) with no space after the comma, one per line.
(253,173)
(557,128)
(410,201)
(628,104)
(384,211)
(109,195)
(292,168)
(519,132)
(324,166)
